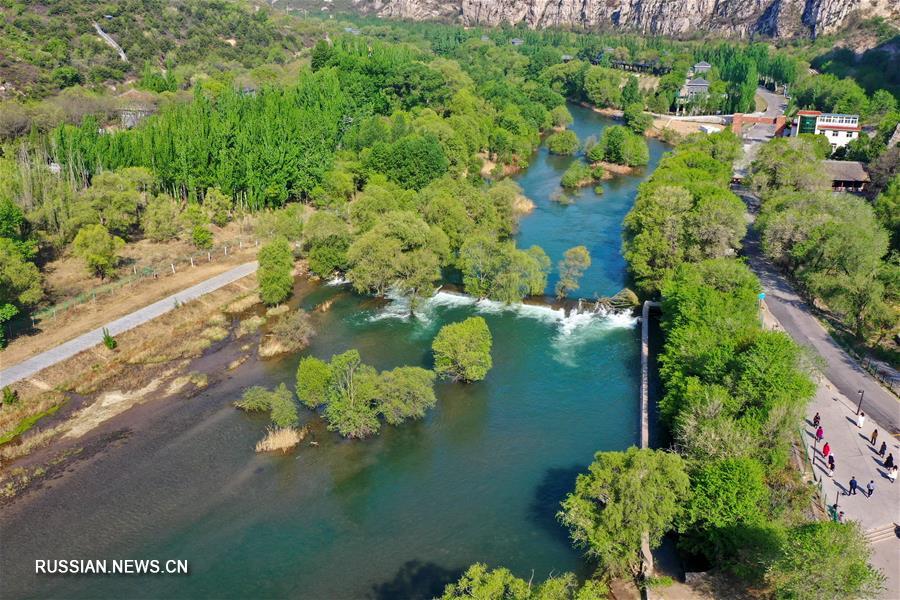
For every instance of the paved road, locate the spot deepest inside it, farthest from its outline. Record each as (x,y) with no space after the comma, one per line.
(69,349)
(794,315)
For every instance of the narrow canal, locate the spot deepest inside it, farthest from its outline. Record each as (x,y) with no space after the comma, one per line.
(479,479)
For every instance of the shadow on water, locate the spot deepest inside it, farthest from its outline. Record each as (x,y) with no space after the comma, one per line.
(416,579)
(554,485)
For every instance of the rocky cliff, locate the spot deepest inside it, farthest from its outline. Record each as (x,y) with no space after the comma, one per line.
(735,18)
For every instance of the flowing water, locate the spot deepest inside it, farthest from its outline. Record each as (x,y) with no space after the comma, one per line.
(396,516)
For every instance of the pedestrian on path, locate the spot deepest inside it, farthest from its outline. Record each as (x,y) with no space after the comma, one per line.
(892,474)
(820,433)
(826,450)
(883,449)
(831,464)
(889,462)
(861,420)
(874,437)
(870,488)
(853,486)
(816,420)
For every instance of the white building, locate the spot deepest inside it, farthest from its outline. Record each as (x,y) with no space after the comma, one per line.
(839,129)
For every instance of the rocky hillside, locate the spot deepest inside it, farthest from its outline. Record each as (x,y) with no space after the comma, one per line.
(735,18)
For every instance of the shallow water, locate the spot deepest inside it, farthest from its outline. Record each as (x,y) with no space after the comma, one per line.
(479,479)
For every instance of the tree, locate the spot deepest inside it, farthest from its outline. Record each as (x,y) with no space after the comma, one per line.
(636,119)
(623,496)
(98,248)
(603,87)
(405,393)
(563,142)
(275,273)
(573,265)
(724,494)
(161,219)
(313,381)
(621,146)
(500,584)
(201,237)
(217,207)
(560,116)
(350,409)
(20,283)
(825,560)
(462,351)
(631,93)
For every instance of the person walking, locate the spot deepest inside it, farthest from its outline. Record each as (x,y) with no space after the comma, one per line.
(826,450)
(889,462)
(892,473)
(820,433)
(841,517)
(831,464)
(861,420)
(816,420)
(883,449)
(874,437)
(870,489)
(853,485)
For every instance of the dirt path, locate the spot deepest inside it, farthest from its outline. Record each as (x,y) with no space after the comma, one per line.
(92,338)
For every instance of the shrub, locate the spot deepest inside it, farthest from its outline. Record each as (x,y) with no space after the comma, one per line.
(284,409)
(577,175)
(255,399)
(202,237)
(563,142)
(293,330)
(10,396)
(108,340)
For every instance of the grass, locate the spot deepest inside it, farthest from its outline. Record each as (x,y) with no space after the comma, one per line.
(280,438)
(27,423)
(250,325)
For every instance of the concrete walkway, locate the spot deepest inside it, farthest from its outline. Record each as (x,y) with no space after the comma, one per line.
(69,349)
(794,315)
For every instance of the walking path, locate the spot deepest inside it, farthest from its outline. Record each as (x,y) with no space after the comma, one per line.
(69,349)
(794,315)
(836,401)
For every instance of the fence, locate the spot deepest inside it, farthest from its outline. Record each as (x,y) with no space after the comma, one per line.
(139,272)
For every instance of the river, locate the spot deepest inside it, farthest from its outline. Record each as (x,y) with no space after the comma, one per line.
(396,516)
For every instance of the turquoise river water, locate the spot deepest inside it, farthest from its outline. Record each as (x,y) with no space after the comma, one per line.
(396,516)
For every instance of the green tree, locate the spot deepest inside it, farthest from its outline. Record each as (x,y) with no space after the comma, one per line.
(275,273)
(560,116)
(161,219)
(500,584)
(201,237)
(20,283)
(350,409)
(284,410)
(623,496)
(825,560)
(563,142)
(462,351)
(573,265)
(725,494)
(578,174)
(405,393)
(98,248)
(217,207)
(313,381)
(636,119)
(631,93)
